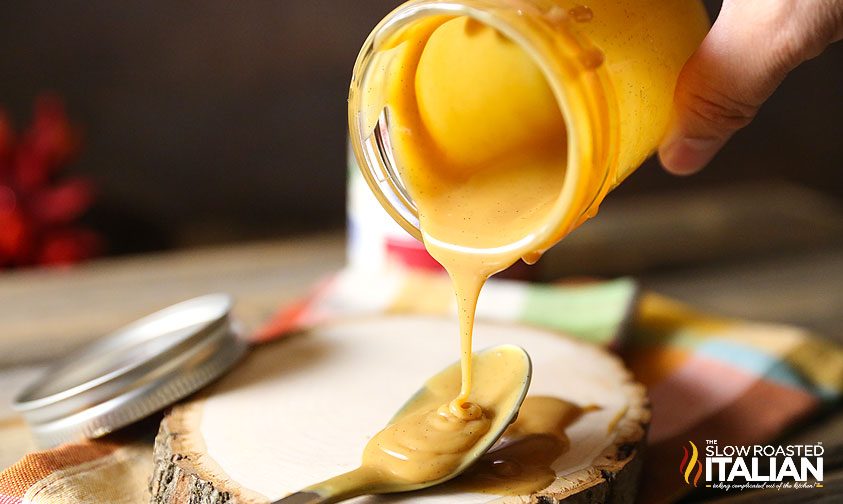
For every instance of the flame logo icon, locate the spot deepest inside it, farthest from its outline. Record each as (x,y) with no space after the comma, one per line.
(691,461)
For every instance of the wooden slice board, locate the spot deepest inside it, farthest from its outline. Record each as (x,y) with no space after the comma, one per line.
(301,410)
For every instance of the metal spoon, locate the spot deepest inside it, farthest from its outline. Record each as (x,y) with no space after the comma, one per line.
(330,491)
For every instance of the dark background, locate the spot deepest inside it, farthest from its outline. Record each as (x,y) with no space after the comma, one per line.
(212,121)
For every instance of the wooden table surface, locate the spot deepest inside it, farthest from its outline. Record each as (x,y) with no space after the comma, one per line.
(45,313)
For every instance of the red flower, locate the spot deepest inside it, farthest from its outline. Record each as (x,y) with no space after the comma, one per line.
(39,208)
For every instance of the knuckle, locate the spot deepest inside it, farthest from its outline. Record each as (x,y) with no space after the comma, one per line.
(720,110)
(786,53)
(804,32)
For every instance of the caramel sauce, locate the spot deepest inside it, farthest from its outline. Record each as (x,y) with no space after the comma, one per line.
(481,146)
(522,463)
(426,442)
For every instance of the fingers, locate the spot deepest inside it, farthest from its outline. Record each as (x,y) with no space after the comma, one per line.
(748,52)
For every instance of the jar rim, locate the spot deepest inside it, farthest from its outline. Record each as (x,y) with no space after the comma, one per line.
(578,100)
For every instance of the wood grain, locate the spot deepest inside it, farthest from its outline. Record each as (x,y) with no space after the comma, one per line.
(278,445)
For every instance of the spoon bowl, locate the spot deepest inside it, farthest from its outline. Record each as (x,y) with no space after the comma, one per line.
(502,377)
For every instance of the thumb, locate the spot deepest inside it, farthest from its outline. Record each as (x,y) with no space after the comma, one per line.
(748,52)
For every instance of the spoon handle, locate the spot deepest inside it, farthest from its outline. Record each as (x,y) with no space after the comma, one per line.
(302,498)
(346,486)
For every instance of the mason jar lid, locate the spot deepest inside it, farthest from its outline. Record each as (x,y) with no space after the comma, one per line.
(133,372)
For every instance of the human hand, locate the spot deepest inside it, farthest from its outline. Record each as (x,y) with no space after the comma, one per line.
(751,48)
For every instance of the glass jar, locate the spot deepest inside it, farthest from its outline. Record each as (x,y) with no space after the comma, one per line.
(612,67)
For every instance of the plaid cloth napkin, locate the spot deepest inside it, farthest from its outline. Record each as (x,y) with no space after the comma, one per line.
(708,377)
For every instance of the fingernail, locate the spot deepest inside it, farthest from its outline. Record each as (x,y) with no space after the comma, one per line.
(685,156)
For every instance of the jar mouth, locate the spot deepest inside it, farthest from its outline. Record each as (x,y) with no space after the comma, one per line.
(538,37)
(384,179)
